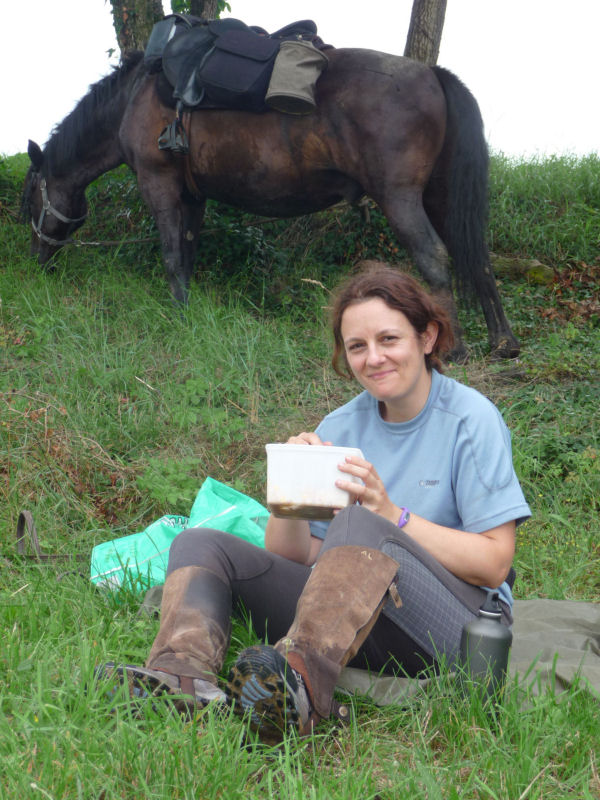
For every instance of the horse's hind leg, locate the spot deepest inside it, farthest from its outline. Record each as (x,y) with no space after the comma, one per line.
(503,343)
(409,222)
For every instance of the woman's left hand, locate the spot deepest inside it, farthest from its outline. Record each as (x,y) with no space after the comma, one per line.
(371,493)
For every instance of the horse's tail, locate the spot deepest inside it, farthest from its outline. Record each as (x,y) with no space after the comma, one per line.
(456,196)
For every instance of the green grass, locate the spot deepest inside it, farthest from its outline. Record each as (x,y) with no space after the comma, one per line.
(548,208)
(114,407)
(59,740)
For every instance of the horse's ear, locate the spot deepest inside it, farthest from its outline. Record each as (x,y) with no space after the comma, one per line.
(34,151)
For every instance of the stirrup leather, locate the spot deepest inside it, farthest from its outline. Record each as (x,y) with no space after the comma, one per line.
(174,137)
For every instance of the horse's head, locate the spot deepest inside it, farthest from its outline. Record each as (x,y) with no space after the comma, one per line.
(54,208)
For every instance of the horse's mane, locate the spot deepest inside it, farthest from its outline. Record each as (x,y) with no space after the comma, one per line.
(90,122)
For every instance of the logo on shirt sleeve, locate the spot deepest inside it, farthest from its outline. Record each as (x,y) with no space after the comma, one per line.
(429,484)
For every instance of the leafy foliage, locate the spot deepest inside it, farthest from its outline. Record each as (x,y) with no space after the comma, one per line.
(12,175)
(186,7)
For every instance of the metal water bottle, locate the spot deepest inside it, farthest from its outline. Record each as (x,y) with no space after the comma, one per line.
(484,647)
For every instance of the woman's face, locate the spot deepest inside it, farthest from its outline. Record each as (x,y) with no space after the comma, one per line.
(387,356)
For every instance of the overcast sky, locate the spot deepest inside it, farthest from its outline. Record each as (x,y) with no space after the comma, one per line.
(531,64)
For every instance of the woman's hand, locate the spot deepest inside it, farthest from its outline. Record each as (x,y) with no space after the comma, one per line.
(372,493)
(306,438)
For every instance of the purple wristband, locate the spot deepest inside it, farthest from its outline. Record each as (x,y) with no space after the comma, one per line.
(404,517)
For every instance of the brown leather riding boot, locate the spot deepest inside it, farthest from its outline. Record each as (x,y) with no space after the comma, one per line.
(190,646)
(195,624)
(291,685)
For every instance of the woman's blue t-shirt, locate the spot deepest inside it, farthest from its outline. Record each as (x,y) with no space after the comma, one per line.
(451,464)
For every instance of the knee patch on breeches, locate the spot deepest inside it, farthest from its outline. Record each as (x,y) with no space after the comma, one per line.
(355,525)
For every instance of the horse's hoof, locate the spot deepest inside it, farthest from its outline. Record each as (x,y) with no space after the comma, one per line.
(505,349)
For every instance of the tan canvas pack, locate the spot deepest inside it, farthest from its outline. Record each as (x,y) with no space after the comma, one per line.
(295,73)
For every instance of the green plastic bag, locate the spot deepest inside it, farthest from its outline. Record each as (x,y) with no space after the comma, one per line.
(219,506)
(139,561)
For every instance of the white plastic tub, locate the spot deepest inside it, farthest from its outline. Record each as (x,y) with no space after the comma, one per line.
(301,480)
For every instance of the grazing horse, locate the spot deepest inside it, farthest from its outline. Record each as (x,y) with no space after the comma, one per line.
(407,135)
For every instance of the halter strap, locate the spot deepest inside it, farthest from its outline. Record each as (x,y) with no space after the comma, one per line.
(48,208)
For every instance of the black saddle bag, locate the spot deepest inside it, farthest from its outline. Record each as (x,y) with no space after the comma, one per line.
(237,70)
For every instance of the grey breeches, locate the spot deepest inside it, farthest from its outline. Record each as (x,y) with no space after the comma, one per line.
(435,604)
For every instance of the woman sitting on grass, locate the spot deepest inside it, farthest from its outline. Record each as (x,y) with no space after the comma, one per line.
(390,582)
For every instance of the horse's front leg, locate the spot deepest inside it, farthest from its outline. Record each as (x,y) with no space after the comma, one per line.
(178,218)
(179,227)
(409,222)
(192,209)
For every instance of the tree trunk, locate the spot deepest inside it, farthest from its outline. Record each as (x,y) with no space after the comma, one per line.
(207,9)
(425,31)
(133,21)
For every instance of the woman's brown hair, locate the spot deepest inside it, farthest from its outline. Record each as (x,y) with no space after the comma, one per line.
(399,291)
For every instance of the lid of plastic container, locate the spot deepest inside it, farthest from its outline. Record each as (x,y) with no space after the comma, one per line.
(314,448)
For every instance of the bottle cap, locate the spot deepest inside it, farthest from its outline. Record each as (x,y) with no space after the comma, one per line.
(491,607)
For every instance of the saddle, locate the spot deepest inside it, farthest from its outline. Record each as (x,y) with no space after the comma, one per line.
(228,64)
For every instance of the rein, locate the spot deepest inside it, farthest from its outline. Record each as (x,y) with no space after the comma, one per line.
(48,208)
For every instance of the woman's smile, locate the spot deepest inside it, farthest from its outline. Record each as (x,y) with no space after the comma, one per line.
(381,374)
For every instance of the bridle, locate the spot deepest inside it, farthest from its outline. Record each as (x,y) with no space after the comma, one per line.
(48,208)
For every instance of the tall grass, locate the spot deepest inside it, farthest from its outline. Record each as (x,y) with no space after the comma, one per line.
(114,406)
(546,208)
